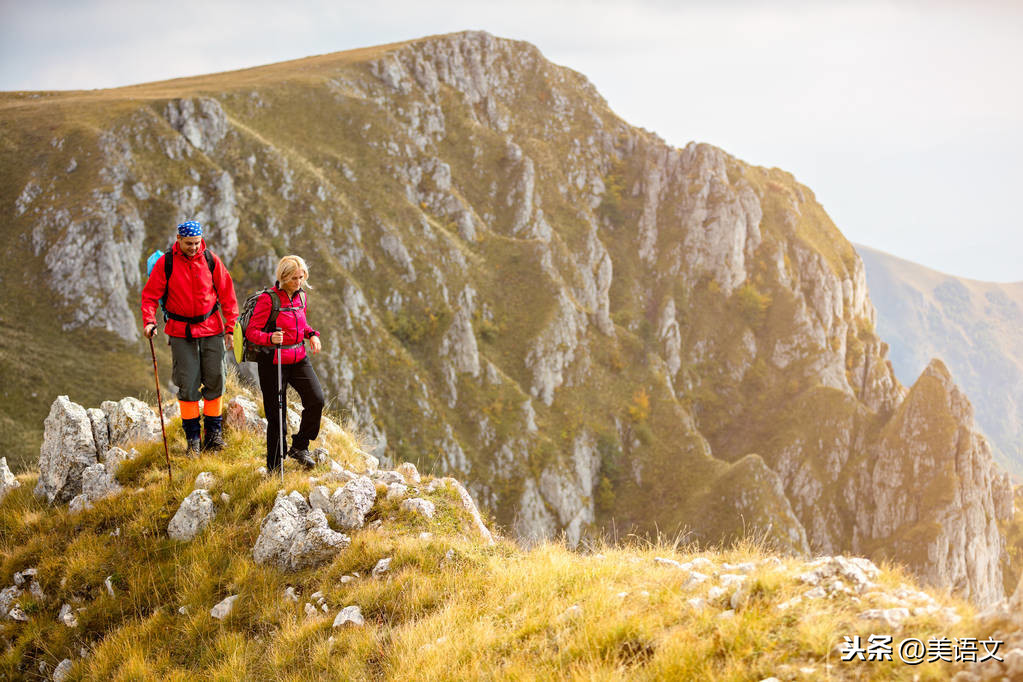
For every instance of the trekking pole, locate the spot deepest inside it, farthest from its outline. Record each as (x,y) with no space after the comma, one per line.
(159,402)
(280,402)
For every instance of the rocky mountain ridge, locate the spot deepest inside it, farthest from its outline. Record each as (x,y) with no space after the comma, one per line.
(973,326)
(517,288)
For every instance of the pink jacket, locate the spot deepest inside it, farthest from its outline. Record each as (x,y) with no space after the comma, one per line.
(291,320)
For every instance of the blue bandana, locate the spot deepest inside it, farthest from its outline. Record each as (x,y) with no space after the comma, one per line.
(190,229)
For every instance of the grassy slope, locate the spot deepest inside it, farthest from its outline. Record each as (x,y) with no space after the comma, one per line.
(488,611)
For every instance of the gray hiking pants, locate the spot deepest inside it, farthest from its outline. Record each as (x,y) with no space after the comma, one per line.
(199,362)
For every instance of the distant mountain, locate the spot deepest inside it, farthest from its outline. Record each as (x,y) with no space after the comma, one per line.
(595,330)
(976,328)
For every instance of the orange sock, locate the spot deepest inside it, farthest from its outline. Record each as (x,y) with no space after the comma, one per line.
(211,408)
(189,410)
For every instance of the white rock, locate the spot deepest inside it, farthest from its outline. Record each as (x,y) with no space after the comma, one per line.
(731,579)
(667,562)
(345,579)
(100,429)
(225,498)
(223,609)
(715,593)
(695,578)
(204,480)
(7,480)
(194,514)
(60,673)
(349,615)
(316,596)
(396,491)
(419,506)
(130,419)
(382,567)
(426,535)
(701,562)
(310,610)
(290,594)
(114,457)
(409,473)
(183,610)
(352,502)
(816,593)
(696,603)
(98,483)
(294,536)
(109,584)
(80,503)
(892,618)
(67,616)
(319,498)
(68,448)
(16,613)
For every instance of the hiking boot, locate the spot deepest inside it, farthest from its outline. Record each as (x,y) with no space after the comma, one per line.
(192,449)
(214,440)
(303,457)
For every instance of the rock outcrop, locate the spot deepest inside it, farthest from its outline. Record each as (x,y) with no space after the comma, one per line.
(294,535)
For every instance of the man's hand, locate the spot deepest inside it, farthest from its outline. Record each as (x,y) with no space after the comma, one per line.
(228,341)
(149,330)
(314,344)
(277,338)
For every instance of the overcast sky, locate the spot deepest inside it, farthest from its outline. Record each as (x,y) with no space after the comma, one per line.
(904,117)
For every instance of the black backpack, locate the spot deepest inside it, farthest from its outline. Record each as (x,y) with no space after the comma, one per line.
(253,352)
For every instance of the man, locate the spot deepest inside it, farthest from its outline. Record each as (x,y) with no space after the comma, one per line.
(198,286)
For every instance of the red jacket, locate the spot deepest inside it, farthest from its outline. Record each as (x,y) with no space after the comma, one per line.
(191,294)
(291,320)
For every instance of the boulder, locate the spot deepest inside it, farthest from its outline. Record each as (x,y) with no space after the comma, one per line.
(315,543)
(294,535)
(68,448)
(97,483)
(243,415)
(194,514)
(130,419)
(351,503)
(7,480)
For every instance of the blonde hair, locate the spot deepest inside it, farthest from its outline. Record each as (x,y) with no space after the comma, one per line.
(287,266)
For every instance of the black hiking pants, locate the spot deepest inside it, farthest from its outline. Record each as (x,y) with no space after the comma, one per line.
(302,377)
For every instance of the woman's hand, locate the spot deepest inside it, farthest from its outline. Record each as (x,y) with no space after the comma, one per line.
(277,338)
(314,344)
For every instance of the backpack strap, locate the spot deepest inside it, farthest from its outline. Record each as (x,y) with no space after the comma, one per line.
(168,268)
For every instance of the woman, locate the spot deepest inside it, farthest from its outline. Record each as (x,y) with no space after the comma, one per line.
(286,338)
